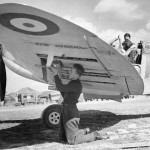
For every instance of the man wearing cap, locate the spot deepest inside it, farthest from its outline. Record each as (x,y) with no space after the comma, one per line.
(69,119)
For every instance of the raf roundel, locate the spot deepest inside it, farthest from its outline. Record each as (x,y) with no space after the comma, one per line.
(28,24)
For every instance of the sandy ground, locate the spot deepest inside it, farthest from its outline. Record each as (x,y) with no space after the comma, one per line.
(127,124)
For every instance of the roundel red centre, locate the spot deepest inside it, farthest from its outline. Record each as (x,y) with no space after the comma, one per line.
(28,24)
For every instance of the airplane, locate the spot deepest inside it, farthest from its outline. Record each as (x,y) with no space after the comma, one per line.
(33,39)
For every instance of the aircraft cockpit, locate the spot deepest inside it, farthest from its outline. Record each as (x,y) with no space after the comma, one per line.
(140,57)
(135,57)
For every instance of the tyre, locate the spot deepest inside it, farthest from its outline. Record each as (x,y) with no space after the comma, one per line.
(51,116)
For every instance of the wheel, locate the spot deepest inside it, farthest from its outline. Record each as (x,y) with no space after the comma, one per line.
(51,116)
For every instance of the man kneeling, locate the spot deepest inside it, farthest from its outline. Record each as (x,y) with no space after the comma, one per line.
(69,118)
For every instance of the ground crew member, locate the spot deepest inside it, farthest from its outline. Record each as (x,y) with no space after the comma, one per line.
(69,119)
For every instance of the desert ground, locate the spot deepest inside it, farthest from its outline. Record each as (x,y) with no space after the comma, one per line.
(126,123)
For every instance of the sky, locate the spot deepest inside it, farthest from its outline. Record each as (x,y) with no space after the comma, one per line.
(105,18)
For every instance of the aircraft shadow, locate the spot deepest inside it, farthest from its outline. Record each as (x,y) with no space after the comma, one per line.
(16,133)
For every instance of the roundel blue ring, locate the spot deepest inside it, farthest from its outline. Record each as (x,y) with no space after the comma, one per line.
(5,19)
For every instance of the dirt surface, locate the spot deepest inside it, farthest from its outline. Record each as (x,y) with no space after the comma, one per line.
(126,123)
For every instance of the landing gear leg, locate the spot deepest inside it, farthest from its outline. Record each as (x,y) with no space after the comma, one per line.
(2,77)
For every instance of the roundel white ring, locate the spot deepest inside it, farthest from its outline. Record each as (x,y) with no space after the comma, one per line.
(34,25)
(29,24)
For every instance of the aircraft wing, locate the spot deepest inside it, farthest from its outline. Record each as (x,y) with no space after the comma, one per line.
(120,73)
(32,39)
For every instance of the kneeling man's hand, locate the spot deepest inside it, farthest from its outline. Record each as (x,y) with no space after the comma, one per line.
(54,70)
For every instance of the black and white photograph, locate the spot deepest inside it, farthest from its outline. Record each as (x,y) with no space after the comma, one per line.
(74,75)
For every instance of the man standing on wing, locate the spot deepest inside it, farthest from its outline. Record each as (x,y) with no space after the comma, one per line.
(69,119)
(127,48)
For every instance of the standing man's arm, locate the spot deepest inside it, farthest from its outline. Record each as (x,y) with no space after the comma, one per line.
(132,48)
(112,41)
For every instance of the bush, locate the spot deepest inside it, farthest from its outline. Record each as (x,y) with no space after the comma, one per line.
(9,100)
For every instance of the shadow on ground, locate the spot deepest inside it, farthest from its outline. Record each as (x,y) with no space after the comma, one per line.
(30,132)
